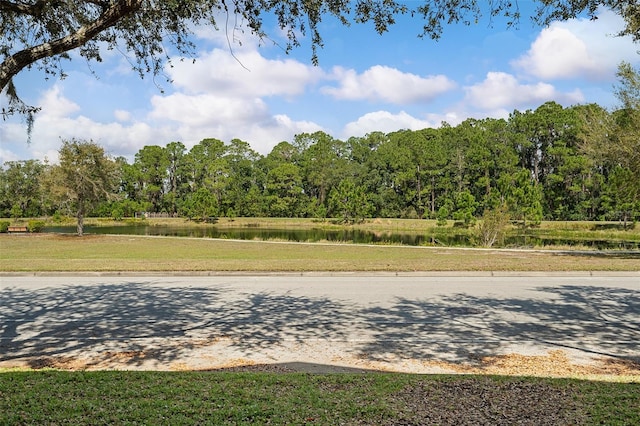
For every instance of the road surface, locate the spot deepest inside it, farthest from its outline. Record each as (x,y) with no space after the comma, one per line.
(409,323)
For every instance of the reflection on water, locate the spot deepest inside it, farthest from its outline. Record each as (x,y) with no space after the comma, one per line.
(350,236)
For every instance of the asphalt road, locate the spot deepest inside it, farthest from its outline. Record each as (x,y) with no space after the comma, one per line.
(405,323)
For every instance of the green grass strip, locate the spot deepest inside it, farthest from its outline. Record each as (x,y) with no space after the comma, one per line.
(47,252)
(56,397)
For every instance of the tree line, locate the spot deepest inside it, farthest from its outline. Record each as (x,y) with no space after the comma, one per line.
(551,163)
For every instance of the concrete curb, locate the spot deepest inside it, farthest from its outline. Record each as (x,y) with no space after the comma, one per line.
(325,274)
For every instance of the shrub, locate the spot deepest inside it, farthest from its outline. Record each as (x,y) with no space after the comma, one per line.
(57,217)
(493,226)
(4,226)
(117,212)
(35,225)
(16,211)
(442,216)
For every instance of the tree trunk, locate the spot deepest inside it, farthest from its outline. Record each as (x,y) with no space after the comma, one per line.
(433,195)
(418,184)
(488,179)
(80,217)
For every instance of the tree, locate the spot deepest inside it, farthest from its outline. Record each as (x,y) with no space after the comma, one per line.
(151,164)
(612,140)
(349,202)
(625,194)
(323,164)
(627,119)
(362,166)
(465,208)
(20,189)
(418,160)
(522,196)
(284,190)
(208,167)
(614,136)
(200,204)
(86,175)
(490,153)
(626,150)
(493,226)
(176,175)
(41,33)
(245,179)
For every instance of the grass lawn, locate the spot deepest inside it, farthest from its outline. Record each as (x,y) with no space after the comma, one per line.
(54,397)
(49,252)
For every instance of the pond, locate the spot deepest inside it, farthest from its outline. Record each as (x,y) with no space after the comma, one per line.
(349,236)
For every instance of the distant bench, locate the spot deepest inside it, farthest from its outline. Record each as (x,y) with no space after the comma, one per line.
(17,229)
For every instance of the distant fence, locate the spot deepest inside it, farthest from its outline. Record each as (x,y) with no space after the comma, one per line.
(150,215)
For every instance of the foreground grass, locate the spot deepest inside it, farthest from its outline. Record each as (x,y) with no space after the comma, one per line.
(54,397)
(46,252)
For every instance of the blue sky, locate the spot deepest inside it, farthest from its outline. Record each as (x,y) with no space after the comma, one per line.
(364,82)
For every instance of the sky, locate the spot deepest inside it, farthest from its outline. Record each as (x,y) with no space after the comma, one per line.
(240,88)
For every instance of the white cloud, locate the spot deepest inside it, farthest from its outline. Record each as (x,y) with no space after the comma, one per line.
(264,136)
(42,146)
(207,115)
(578,48)
(382,83)
(219,96)
(122,115)
(451,117)
(249,75)
(6,155)
(500,90)
(58,120)
(224,104)
(385,122)
(207,109)
(56,105)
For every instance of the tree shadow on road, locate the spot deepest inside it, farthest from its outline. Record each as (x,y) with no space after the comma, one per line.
(264,319)
(595,320)
(53,322)
(150,321)
(142,321)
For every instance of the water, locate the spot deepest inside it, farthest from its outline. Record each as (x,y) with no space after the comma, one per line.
(349,236)
(295,235)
